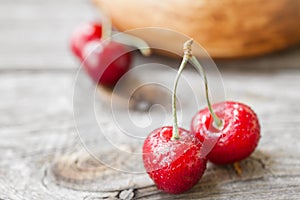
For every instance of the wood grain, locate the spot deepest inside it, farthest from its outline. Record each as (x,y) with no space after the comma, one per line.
(43,158)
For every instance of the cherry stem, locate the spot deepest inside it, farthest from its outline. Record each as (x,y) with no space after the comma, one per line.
(122,38)
(188,56)
(217,122)
(131,40)
(185,59)
(106,26)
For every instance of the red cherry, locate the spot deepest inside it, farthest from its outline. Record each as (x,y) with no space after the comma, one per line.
(83,34)
(239,135)
(106,63)
(174,165)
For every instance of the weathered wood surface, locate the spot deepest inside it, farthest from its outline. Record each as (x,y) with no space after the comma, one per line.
(42,157)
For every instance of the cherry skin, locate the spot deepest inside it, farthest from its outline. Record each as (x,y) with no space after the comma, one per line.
(83,34)
(174,165)
(106,63)
(239,135)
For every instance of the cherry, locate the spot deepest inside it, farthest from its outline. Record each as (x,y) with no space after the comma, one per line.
(174,165)
(83,34)
(110,60)
(239,134)
(173,157)
(106,62)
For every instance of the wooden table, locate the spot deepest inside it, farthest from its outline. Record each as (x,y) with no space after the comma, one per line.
(43,158)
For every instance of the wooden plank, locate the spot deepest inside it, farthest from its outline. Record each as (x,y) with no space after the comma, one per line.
(42,159)
(288,58)
(36,34)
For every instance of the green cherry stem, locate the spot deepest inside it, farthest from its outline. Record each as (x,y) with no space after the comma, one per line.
(188,56)
(123,38)
(217,122)
(185,59)
(131,40)
(106,25)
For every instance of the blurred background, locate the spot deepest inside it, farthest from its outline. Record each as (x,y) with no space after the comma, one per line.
(35,34)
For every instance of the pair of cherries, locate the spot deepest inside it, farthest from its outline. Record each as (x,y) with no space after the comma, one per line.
(186,163)
(176,158)
(105,61)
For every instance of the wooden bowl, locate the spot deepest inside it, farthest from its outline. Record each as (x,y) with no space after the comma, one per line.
(226,29)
